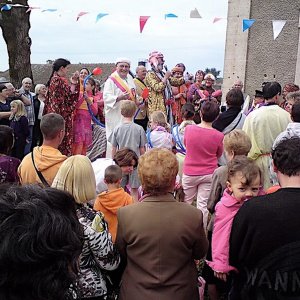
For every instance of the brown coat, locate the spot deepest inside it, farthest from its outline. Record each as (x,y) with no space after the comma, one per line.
(160,238)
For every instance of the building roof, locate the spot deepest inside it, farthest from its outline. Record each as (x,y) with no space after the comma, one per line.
(42,72)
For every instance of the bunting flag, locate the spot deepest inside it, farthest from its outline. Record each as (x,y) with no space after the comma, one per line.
(101,15)
(215,20)
(49,9)
(170,16)
(143,21)
(30,8)
(195,14)
(277,27)
(6,7)
(247,23)
(82,13)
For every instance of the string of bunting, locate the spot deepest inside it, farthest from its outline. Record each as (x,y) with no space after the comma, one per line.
(278,25)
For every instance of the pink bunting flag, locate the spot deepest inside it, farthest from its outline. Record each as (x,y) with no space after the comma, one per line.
(31,8)
(216,20)
(143,21)
(82,13)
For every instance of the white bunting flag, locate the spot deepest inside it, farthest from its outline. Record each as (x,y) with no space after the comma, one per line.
(277,27)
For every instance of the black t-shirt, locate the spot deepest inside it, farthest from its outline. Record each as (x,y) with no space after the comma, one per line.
(5,107)
(265,246)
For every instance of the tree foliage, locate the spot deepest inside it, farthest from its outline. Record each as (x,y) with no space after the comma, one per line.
(15,25)
(213,71)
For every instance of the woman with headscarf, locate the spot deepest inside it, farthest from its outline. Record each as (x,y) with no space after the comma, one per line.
(119,86)
(159,85)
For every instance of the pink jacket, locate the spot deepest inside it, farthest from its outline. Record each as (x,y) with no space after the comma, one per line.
(226,210)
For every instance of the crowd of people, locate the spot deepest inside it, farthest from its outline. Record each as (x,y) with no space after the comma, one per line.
(150,188)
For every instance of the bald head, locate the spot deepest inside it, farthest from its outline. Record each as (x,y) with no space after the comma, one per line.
(141,72)
(238,84)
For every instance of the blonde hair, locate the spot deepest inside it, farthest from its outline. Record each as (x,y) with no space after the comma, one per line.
(238,142)
(157,171)
(38,87)
(128,108)
(21,111)
(77,177)
(159,118)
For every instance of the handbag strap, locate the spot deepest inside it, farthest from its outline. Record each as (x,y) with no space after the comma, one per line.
(40,175)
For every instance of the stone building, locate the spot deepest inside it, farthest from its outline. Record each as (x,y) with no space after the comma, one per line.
(254,56)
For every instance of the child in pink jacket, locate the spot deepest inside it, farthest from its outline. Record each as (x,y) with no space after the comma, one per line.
(244,182)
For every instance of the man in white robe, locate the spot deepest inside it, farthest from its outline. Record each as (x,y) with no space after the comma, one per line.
(119,86)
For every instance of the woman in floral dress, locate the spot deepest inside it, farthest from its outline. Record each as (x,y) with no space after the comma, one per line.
(62,99)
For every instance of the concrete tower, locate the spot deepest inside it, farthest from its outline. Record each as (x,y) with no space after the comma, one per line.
(253,56)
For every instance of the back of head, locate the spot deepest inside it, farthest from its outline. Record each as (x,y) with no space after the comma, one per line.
(286,156)
(41,240)
(157,171)
(126,157)
(210,110)
(128,108)
(246,166)
(295,96)
(271,89)
(77,177)
(238,142)
(2,87)
(159,117)
(113,174)
(295,113)
(188,111)
(7,139)
(235,98)
(51,125)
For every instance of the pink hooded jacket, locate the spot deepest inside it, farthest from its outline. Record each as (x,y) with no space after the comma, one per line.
(226,210)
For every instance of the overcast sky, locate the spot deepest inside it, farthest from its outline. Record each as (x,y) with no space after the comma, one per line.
(198,43)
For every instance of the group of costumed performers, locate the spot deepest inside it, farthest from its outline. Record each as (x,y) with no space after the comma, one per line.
(155,90)
(160,85)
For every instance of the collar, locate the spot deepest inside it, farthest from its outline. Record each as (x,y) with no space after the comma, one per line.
(169,197)
(228,200)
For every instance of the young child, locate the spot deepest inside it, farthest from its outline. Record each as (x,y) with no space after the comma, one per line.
(187,114)
(19,124)
(244,182)
(236,142)
(132,136)
(159,135)
(82,128)
(115,197)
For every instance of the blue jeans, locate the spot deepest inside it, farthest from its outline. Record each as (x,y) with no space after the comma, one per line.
(29,139)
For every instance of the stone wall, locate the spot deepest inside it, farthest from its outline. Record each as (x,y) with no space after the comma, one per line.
(275,59)
(253,56)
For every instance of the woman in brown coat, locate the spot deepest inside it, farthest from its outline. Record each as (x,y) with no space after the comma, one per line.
(160,238)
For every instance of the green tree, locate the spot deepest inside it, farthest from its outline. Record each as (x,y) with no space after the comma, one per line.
(15,25)
(213,71)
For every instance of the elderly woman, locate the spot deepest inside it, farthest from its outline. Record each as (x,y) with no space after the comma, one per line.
(76,176)
(119,86)
(160,237)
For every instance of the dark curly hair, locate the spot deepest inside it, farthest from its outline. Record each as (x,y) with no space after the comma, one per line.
(41,240)
(286,156)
